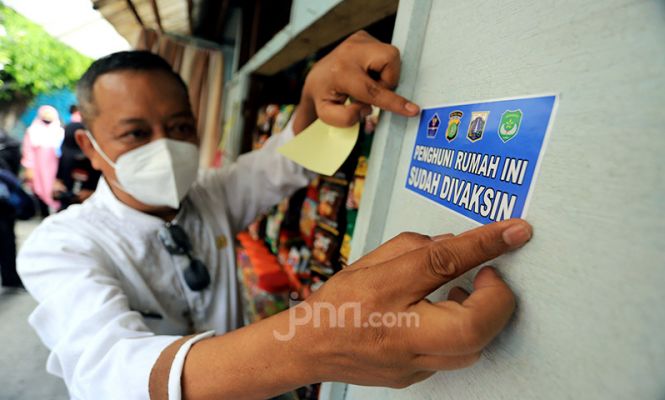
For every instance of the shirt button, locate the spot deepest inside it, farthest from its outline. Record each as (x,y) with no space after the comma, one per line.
(221,241)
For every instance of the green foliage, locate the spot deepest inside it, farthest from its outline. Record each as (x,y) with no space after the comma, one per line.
(33,62)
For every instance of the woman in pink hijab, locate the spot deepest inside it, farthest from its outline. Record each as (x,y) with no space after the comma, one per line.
(41,148)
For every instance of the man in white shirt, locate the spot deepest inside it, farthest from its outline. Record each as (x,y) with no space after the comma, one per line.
(137,287)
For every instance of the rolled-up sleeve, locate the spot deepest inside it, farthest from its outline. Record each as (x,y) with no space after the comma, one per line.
(257,180)
(101,348)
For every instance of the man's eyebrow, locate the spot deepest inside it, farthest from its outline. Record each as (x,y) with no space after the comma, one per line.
(136,120)
(129,121)
(187,114)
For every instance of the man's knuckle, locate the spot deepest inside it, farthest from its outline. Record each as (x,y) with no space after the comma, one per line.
(346,47)
(336,68)
(361,33)
(393,52)
(412,237)
(487,244)
(443,263)
(373,88)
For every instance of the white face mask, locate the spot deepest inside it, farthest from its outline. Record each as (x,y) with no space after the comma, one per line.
(159,173)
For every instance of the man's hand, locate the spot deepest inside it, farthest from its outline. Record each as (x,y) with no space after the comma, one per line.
(293,348)
(362,68)
(400,337)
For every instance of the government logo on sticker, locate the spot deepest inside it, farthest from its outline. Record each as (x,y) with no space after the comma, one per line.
(510,124)
(477,125)
(454,119)
(433,126)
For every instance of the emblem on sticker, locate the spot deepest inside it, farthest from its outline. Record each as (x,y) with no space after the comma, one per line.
(433,126)
(477,125)
(454,119)
(510,124)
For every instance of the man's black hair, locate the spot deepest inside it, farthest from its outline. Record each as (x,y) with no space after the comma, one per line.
(70,135)
(120,61)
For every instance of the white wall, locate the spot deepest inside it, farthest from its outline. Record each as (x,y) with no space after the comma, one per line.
(590,322)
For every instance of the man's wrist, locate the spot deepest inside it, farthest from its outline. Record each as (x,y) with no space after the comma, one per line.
(255,361)
(305,348)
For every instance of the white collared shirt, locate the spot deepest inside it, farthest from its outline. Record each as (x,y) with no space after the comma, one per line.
(111,297)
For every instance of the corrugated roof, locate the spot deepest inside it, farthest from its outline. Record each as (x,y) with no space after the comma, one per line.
(130,16)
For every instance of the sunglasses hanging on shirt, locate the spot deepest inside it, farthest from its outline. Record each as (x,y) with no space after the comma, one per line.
(177,243)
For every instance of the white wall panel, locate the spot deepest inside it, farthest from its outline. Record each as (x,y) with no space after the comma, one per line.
(590,322)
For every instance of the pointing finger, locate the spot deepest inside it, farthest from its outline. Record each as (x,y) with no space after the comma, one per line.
(395,247)
(425,269)
(361,87)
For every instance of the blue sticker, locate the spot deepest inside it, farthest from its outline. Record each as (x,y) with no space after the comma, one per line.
(488,174)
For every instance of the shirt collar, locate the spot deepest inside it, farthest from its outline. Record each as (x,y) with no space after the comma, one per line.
(107,199)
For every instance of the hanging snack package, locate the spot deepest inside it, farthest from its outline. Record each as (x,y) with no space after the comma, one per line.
(287,240)
(307,221)
(326,246)
(331,200)
(356,192)
(321,271)
(293,258)
(361,167)
(273,220)
(305,256)
(274,224)
(271,112)
(262,130)
(345,250)
(282,118)
(254,228)
(358,183)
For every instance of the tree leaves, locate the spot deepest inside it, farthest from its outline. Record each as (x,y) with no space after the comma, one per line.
(33,62)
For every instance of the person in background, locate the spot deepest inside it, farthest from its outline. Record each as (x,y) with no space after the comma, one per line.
(10,153)
(75,114)
(14,203)
(76,179)
(41,149)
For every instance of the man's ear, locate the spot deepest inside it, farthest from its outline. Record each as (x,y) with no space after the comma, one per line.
(86,146)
